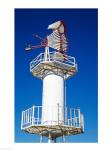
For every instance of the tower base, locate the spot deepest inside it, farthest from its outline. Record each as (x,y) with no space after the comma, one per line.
(54,130)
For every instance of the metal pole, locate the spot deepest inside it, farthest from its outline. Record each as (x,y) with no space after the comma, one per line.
(64,138)
(33,107)
(65,93)
(49,138)
(79,116)
(22,119)
(41,138)
(65,104)
(71,116)
(66,116)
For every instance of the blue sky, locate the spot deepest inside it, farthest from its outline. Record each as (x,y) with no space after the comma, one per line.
(82,89)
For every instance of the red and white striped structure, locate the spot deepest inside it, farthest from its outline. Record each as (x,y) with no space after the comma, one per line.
(58,39)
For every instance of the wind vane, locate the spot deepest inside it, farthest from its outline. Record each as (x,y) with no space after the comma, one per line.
(56,40)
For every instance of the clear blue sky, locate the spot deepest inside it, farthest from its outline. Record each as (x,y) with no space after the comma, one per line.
(82,89)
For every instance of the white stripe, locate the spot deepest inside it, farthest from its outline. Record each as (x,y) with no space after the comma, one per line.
(55,42)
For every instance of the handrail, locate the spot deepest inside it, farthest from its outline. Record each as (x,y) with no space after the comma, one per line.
(52,56)
(32,116)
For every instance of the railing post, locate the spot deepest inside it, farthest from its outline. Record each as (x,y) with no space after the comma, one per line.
(38,114)
(79,116)
(22,120)
(41,138)
(82,122)
(74,61)
(26,117)
(65,115)
(64,141)
(74,117)
(41,58)
(71,115)
(31,112)
(33,107)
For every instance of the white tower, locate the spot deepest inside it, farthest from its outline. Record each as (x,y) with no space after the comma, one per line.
(53,119)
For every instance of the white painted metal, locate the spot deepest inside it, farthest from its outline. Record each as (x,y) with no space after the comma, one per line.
(56,25)
(22,121)
(33,111)
(82,121)
(79,115)
(41,138)
(49,140)
(53,61)
(64,141)
(46,54)
(53,99)
(57,39)
(65,97)
(55,42)
(34,115)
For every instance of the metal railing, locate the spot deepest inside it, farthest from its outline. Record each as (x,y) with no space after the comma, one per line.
(33,117)
(51,57)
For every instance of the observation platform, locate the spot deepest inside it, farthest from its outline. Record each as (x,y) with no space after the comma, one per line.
(55,62)
(32,123)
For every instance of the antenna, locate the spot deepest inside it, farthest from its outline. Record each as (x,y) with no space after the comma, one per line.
(53,119)
(43,43)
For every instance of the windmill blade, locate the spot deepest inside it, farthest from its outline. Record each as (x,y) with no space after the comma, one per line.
(43,43)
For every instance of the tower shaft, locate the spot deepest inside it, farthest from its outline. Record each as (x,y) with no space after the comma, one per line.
(53,99)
